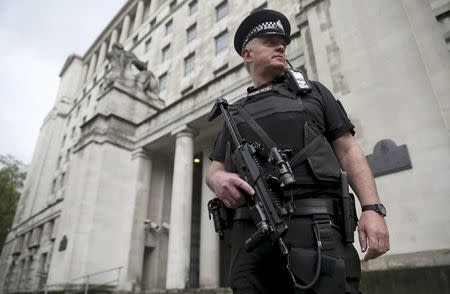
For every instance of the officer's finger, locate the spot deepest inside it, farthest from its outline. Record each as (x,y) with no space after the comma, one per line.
(362,239)
(370,254)
(383,243)
(226,202)
(388,244)
(235,195)
(373,250)
(244,186)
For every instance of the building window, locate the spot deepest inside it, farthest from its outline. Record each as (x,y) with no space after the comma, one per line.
(135,39)
(165,53)
(191,33)
(221,10)
(68,154)
(50,230)
(84,119)
(221,70)
(73,132)
(78,110)
(21,276)
(221,42)
(189,64)
(10,277)
(68,120)
(153,22)
(36,236)
(53,186)
(29,270)
(63,140)
(28,239)
(163,82)
(59,162)
(193,7)
(172,4)
(63,178)
(147,44)
(42,271)
(88,101)
(169,27)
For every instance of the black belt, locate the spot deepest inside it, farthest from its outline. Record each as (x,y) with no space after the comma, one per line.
(304,207)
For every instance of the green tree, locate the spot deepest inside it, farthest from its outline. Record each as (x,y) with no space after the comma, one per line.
(12,176)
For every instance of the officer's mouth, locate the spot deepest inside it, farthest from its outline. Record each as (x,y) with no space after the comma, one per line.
(279,57)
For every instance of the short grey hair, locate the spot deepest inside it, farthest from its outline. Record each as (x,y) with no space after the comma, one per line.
(249,46)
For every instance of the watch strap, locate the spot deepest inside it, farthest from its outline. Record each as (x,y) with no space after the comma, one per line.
(379,208)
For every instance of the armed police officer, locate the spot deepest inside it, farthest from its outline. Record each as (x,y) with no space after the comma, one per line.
(303,118)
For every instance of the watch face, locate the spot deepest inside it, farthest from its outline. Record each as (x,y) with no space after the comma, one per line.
(381,209)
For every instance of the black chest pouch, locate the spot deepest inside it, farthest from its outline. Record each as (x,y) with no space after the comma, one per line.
(324,164)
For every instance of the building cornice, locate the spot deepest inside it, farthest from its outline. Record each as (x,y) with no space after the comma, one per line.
(69,60)
(109,27)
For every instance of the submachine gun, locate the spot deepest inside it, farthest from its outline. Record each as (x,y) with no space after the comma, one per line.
(267,211)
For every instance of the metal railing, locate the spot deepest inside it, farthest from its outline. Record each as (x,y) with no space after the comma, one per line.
(96,280)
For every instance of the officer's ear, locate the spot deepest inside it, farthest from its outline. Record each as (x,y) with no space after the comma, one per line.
(247,55)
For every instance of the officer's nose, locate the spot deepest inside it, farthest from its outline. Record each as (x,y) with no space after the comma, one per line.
(280,48)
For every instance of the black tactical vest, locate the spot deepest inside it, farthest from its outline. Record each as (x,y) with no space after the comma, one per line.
(284,118)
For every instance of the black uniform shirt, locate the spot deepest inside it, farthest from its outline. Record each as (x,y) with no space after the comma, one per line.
(283,126)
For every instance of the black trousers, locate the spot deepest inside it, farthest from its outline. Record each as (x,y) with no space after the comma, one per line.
(263,270)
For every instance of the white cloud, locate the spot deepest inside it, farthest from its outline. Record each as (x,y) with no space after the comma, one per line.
(37,37)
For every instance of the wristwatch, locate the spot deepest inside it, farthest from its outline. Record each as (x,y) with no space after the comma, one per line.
(376,207)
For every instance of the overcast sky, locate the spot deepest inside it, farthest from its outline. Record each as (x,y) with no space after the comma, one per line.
(36,38)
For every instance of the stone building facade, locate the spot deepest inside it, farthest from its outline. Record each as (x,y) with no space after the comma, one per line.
(115,194)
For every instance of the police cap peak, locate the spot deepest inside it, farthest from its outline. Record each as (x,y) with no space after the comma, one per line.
(259,23)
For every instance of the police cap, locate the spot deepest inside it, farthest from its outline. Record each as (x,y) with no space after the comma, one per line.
(259,23)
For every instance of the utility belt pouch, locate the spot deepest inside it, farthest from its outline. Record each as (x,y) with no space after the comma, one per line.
(221,216)
(349,218)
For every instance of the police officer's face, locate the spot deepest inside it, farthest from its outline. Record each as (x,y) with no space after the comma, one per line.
(267,55)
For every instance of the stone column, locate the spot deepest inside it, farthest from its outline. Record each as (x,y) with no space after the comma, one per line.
(209,240)
(92,63)
(139,15)
(142,169)
(152,7)
(181,210)
(113,39)
(101,55)
(125,29)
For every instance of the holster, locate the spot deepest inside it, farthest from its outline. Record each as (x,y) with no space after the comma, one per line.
(348,211)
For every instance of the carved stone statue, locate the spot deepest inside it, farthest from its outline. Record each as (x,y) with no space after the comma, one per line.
(140,82)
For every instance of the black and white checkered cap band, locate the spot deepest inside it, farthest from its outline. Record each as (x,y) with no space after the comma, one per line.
(268,25)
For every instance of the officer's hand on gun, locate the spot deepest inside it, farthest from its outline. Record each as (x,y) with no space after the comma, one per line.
(229,188)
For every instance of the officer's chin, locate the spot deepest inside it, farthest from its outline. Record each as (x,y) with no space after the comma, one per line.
(276,70)
(279,71)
